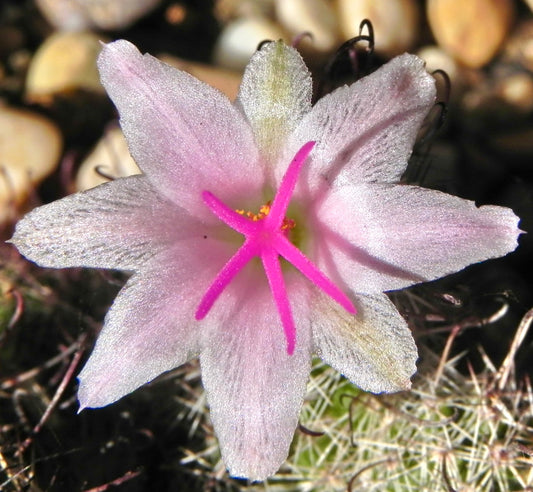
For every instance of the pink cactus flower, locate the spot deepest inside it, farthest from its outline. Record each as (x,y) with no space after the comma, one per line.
(261,232)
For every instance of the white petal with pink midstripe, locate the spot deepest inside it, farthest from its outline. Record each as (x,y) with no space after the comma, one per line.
(374,349)
(365,132)
(120,224)
(386,237)
(151,330)
(254,388)
(184,135)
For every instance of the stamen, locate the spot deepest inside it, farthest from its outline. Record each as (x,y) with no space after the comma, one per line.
(286,225)
(263,212)
(266,237)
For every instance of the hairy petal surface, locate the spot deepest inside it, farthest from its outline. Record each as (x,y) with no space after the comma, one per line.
(120,224)
(254,388)
(151,328)
(365,132)
(385,237)
(184,135)
(373,349)
(275,94)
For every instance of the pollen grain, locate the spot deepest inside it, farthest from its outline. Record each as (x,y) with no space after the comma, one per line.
(287,225)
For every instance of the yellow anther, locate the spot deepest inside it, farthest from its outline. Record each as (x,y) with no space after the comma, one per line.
(287,224)
(264,210)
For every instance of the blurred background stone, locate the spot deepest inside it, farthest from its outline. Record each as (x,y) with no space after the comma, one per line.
(519,46)
(226,10)
(30,148)
(79,15)
(317,17)
(225,80)
(396,22)
(240,38)
(437,59)
(66,61)
(471,31)
(110,159)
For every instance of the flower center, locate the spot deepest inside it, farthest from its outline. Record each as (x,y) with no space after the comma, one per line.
(287,224)
(266,237)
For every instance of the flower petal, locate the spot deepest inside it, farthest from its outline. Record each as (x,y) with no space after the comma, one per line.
(254,388)
(116,225)
(275,93)
(374,349)
(186,136)
(151,328)
(385,237)
(365,132)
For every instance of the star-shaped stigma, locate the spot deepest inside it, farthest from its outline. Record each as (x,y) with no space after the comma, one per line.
(267,239)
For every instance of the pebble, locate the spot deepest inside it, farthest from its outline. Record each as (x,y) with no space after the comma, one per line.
(30,148)
(66,61)
(396,22)
(240,38)
(78,15)
(318,17)
(225,80)
(226,10)
(437,59)
(111,156)
(7,302)
(471,31)
(499,101)
(517,91)
(519,46)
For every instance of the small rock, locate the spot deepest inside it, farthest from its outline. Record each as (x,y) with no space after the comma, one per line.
(519,46)
(30,147)
(240,38)
(78,15)
(7,303)
(395,22)
(226,81)
(499,103)
(517,91)
(15,187)
(64,62)
(110,159)
(437,59)
(226,10)
(471,31)
(64,14)
(317,17)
